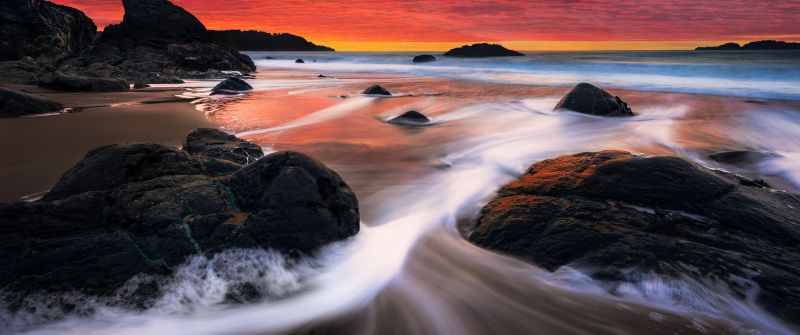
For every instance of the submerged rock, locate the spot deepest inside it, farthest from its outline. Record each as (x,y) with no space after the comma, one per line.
(299,61)
(376,90)
(139,86)
(42,29)
(424,59)
(481,50)
(233,84)
(619,216)
(410,117)
(589,99)
(742,157)
(15,103)
(224,92)
(218,144)
(129,209)
(70,82)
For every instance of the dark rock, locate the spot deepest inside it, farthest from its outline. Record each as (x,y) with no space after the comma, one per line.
(42,29)
(139,86)
(23,71)
(218,144)
(481,50)
(224,92)
(618,216)
(201,56)
(154,22)
(742,157)
(757,45)
(252,40)
(69,82)
(299,61)
(233,84)
(376,90)
(410,117)
(589,99)
(15,103)
(424,59)
(145,208)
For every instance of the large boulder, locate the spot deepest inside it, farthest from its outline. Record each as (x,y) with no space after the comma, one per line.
(589,99)
(15,103)
(619,216)
(218,144)
(24,71)
(479,50)
(42,29)
(410,118)
(145,208)
(423,59)
(69,82)
(233,84)
(157,22)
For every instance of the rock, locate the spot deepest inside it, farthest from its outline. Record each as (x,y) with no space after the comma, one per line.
(233,84)
(202,56)
(130,209)
(619,216)
(139,86)
(589,99)
(253,40)
(224,92)
(155,22)
(410,117)
(15,103)
(376,90)
(742,157)
(299,61)
(218,144)
(23,71)
(481,50)
(424,59)
(69,82)
(42,29)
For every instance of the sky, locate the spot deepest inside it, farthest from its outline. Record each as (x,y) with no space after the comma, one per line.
(384,25)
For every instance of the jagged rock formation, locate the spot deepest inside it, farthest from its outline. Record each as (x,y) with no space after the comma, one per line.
(757,45)
(481,50)
(252,40)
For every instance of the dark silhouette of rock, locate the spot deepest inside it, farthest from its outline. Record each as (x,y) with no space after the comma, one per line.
(224,92)
(424,59)
(742,157)
(15,103)
(757,45)
(69,82)
(233,84)
(145,208)
(139,86)
(24,71)
(376,90)
(589,99)
(157,41)
(42,29)
(252,40)
(218,144)
(410,117)
(299,61)
(617,216)
(481,50)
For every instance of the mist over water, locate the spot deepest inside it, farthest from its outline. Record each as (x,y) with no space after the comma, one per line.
(409,270)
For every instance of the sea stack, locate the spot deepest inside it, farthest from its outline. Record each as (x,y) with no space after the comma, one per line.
(480,50)
(589,99)
(424,59)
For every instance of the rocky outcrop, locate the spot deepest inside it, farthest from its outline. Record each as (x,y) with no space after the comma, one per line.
(218,144)
(299,61)
(589,99)
(617,216)
(252,40)
(424,59)
(481,50)
(42,29)
(376,90)
(155,42)
(410,118)
(24,71)
(127,209)
(15,103)
(68,82)
(757,45)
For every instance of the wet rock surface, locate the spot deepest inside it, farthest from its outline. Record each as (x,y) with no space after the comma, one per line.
(129,209)
(589,99)
(481,50)
(233,84)
(70,82)
(617,215)
(15,103)
(218,144)
(376,90)
(410,117)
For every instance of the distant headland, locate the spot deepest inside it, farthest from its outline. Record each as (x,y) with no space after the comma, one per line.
(253,40)
(758,45)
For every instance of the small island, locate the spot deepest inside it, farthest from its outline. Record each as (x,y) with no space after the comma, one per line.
(757,45)
(253,40)
(482,50)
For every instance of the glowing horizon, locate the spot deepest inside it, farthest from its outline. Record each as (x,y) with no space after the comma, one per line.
(554,25)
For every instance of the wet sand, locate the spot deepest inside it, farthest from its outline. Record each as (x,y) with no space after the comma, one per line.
(36,151)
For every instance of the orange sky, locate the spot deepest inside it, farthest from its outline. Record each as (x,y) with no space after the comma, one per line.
(521,25)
